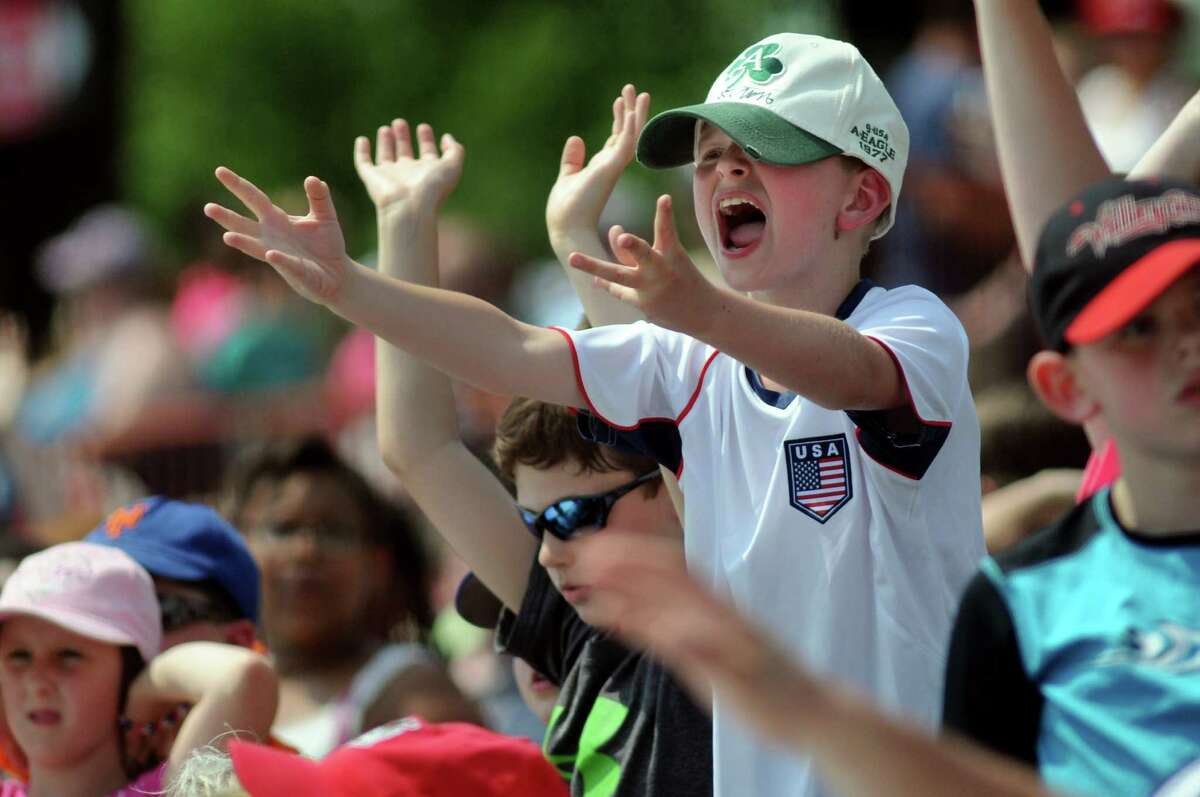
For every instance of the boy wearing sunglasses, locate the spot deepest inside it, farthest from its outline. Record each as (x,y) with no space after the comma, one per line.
(621,724)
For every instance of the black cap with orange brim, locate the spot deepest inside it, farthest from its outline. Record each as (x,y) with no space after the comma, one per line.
(1109,253)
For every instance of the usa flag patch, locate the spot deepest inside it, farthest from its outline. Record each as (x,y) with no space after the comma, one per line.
(818,475)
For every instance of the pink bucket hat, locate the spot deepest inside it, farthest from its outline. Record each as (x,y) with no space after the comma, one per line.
(92,590)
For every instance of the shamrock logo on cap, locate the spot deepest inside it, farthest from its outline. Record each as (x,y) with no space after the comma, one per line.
(757,63)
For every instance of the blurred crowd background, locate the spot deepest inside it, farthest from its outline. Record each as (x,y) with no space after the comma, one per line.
(140,356)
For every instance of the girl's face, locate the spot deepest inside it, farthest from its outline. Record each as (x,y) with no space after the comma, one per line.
(60,691)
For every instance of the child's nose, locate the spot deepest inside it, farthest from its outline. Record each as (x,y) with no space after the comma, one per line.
(553,553)
(38,683)
(734,162)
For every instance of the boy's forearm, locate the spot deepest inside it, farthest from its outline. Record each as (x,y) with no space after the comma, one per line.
(599,305)
(414,403)
(463,336)
(420,441)
(1046,151)
(814,355)
(860,751)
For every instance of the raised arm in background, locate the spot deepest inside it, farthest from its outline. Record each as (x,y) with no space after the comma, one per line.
(417,425)
(1177,151)
(1046,152)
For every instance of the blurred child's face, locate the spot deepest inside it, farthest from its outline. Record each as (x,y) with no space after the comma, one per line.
(1145,377)
(635,512)
(536,690)
(319,573)
(60,692)
(766,226)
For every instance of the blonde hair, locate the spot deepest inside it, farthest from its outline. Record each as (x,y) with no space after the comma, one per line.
(207,772)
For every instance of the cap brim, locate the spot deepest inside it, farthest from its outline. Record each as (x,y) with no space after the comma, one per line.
(476,603)
(669,139)
(1131,292)
(267,772)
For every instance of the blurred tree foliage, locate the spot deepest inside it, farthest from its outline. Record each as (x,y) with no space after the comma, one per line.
(278,89)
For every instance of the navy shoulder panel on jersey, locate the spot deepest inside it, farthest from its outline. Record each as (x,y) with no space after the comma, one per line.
(899,439)
(657,439)
(1064,537)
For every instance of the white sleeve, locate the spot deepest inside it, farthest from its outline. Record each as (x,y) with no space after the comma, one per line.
(929,347)
(633,373)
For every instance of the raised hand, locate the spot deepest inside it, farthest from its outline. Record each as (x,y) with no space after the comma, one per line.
(659,280)
(579,194)
(308,251)
(396,178)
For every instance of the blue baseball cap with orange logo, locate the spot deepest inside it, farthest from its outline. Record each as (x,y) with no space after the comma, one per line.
(184,542)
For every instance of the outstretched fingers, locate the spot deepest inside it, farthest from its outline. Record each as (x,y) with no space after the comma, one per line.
(452,151)
(246,244)
(426,143)
(250,194)
(320,202)
(574,152)
(403,136)
(385,145)
(609,272)
(230,220)
(362,155)
(665,237)
(641,111)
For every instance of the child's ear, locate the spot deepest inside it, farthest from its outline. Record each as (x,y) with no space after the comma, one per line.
(1055,382)
(870,197)
(240,633)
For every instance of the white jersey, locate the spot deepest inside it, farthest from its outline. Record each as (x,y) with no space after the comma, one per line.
(848,535)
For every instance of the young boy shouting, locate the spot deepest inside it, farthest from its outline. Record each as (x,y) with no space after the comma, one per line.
(1078,651)
(821,427)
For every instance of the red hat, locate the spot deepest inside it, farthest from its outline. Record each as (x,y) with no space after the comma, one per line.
(1108,17)
(405,758)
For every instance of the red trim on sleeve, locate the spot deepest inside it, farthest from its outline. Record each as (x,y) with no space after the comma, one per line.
(588,399)
(904,384)
(592,407)
(696,391)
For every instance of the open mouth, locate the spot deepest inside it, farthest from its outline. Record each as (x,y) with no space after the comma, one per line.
(741,222)
(1190,394)
(539,682)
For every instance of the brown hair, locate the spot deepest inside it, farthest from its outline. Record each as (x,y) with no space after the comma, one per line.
(541,436)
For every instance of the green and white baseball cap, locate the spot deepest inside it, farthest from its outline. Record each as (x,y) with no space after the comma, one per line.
(792,99)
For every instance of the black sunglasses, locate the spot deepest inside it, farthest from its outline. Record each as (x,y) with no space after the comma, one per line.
(567,516)
(180,610)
